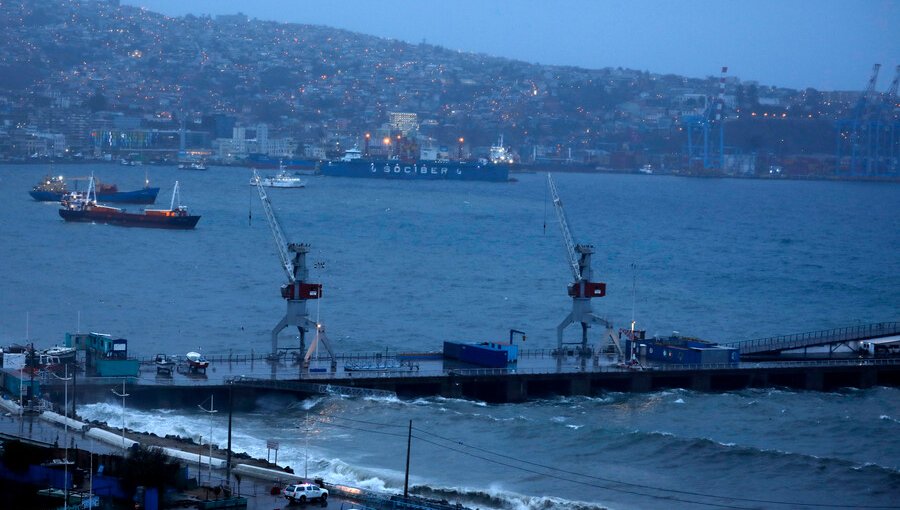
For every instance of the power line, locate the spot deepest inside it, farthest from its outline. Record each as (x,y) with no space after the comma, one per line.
(626,491)
(599,478)
(643,486)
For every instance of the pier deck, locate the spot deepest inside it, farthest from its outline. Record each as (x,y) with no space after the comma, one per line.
(538,373)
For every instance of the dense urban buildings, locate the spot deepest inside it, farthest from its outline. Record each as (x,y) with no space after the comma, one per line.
(93,79)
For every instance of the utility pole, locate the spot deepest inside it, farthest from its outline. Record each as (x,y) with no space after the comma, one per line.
(408,445)
(228,453)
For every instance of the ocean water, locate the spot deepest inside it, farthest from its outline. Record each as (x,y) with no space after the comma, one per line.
(407,265)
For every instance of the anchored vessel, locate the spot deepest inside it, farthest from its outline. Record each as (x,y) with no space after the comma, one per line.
(53,188)
(80,206)
(353,164)
(280,180)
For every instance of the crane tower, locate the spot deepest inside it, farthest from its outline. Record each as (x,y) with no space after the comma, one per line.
(582,289)
(298,290)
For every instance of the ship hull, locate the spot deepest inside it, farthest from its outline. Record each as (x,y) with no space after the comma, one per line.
(125,219)
(263,162)
(422,170)
(141,196)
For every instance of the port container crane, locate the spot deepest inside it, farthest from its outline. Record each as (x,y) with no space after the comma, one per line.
(867,142)
(298,290)
(582,289)
(700,124)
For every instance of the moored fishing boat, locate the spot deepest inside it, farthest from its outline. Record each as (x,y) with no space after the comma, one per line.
(53,188)
(83,207)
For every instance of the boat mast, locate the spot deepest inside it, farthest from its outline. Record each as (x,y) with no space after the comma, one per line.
(174,196)
(91,189)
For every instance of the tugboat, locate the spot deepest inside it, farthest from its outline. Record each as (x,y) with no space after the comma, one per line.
(53,188)
(83,206)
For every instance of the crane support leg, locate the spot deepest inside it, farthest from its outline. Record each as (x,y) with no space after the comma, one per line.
(303,325)
(559,330)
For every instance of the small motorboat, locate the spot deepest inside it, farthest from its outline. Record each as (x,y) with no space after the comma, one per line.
(196,362)
(65,355)
(164,364)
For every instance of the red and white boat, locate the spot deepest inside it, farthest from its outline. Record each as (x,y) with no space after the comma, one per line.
(196,361)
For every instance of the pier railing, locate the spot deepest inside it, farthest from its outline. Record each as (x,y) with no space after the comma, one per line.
(817,338)
(480,372)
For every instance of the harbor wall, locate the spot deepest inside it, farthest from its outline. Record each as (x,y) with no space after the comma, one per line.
(520,387)
(509,386)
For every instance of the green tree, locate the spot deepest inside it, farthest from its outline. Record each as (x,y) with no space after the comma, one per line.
(148,466)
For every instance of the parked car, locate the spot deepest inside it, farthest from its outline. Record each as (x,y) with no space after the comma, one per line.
(305,492)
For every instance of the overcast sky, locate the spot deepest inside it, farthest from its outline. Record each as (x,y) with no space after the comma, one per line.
(825,44)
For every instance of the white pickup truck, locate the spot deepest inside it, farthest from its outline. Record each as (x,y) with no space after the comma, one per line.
(304,492)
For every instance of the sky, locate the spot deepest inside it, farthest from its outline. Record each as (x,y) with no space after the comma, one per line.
(823,44)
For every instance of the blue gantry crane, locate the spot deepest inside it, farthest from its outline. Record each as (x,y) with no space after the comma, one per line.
(709,126)
(868,142)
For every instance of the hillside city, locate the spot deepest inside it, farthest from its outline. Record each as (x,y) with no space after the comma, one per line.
(93,79)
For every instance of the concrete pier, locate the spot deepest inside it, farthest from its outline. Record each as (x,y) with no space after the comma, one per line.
(536,375)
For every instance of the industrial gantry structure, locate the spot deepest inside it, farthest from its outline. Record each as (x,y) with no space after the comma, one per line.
(868,142)
(582,289)
(298,290)
(709,126)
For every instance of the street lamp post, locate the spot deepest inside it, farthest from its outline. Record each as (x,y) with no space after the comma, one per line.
(66,380)
(210,411)
(123,395)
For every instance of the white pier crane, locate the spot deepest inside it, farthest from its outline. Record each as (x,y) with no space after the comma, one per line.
(582,289)
(298,290)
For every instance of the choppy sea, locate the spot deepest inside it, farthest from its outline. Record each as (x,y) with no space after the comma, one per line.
(407,265)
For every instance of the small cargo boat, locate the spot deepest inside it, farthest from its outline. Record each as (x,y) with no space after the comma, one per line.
(83,207)
(53,188)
